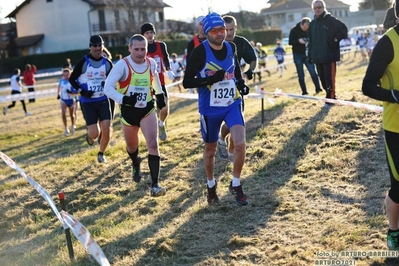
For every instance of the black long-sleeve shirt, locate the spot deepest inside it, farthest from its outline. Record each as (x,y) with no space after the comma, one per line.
(197,61)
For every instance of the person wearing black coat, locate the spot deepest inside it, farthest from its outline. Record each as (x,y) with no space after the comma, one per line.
(325,33)
(298,39)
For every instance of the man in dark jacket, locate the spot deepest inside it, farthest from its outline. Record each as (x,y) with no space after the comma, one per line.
(325,33)
(298,39)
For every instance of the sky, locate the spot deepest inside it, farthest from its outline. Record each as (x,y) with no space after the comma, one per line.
(183,9)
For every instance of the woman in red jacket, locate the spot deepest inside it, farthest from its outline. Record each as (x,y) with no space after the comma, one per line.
(29,79)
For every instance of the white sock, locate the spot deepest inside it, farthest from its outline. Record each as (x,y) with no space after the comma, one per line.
(160,123)
(236,181)
(211,183)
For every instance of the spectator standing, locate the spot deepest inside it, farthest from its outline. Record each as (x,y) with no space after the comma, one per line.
(30,81)
(159,51)
(325,33)
(298,39)
(382,83)
(16,88)
(88,79)
(137,78)
(214,68)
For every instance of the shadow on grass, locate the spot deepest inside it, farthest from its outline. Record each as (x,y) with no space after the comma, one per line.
(205,235)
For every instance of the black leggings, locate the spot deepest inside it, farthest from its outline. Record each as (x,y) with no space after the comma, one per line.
(13,102)
(392,155)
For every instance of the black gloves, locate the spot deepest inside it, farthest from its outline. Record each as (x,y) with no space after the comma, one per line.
(249,73)
(218,76)
(310,60)
(68,91)
(160,100)
(58,97)
(130,100)
(244,89)
(86,93)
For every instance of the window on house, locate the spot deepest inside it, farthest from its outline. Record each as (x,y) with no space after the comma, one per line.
(290,17)
(117,20)
(101,19)
(161,18)
(130,15)
(48,1)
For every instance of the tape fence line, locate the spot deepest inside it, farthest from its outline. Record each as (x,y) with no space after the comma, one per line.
(67,220)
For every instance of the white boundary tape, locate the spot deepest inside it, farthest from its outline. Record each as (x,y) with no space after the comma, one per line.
(259,94)
(67,220)
(278,92)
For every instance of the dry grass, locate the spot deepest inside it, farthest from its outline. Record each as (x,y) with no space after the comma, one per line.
(315,179)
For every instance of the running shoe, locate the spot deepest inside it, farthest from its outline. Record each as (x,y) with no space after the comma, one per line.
(73,130)
(393,240)
(89,140)
(137,170)
(162,133)
(222,151)
(5,110)
(212,196)
(66,132)
(241,198)
(28,114)
(158,191)
(101,158)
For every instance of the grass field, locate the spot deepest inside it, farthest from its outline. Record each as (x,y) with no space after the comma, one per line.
(315,179)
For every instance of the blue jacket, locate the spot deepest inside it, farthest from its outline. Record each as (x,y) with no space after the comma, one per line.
(325,33)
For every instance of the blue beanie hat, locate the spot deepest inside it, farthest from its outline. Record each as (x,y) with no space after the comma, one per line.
(211,21)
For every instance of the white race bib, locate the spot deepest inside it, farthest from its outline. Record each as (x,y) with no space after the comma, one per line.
(223,93)
(96,87)
(142,95)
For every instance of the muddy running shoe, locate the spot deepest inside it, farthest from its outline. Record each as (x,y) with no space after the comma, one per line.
(137,170)
(162,133)
(101,158)
(89,140)
(212,196)
(158,191)
(241,198)
(222,151)
(393,240)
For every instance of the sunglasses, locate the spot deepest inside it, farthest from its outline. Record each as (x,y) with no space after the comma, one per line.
(96,45)
(317,7)
(215,31)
